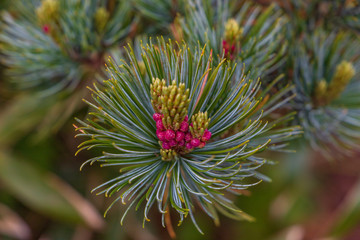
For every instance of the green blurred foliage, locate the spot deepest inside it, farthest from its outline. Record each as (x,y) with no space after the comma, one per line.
(4,3)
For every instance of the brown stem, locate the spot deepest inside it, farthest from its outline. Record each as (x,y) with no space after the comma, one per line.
(168,223)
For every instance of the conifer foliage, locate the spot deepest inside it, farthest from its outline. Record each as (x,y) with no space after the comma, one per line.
(57,44)
(53,49)
(239,31)
(167,136)
(327,86)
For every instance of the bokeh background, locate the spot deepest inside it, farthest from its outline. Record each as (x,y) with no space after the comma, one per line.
(43,195)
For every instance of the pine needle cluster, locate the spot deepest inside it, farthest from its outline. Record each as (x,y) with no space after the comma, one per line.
(54,45)
(327,92)
(243,32)
(187,178)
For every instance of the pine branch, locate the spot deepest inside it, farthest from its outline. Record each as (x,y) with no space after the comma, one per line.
(54,48)
(250,35)
(55,44)
(154,157)
(327,85)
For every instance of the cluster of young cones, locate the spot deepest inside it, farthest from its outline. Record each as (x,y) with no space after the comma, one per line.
(176,135)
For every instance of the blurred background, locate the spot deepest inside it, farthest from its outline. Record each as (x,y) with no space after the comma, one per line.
(43,195)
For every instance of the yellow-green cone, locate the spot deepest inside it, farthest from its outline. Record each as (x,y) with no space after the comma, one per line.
(172,101)
(101,19)
(232,31)
(48,11)
(326,93)
(200,123)
(343,74)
